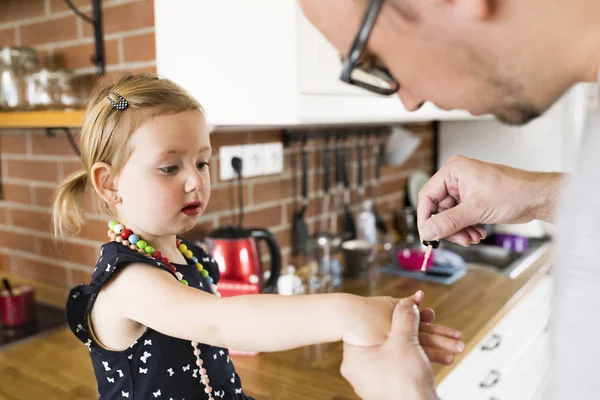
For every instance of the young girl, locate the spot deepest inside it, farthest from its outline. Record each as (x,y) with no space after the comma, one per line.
(151,315)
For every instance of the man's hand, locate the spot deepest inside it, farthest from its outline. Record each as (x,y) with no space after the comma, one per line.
(466,192)
(399,368)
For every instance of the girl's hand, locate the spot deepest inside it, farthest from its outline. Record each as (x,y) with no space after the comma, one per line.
(371,322)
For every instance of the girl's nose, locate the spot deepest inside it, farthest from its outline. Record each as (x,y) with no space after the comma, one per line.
(195,181)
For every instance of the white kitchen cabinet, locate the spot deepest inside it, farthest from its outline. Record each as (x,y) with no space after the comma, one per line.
(262,63)
(512,361)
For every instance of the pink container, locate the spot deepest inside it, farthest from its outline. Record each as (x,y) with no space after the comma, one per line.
(412,259)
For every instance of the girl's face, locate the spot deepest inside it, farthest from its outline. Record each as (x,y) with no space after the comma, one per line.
(165,184)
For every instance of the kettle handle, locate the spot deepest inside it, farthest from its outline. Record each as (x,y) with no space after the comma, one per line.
(263,234)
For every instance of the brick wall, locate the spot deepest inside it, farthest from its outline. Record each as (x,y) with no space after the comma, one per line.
(33,164)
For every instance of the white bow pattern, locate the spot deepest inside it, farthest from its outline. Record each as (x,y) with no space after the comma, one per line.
(156,394)
(143,370)
(148,342)
(120,373)
(125,394)
(170,371)
(106,367)
(186,368)
(144,358)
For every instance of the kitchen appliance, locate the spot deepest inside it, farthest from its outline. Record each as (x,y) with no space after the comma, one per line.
(236,251)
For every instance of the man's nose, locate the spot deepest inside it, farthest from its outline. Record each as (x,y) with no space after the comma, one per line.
(410,102)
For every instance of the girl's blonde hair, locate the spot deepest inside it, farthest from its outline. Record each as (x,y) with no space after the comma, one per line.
(105,136)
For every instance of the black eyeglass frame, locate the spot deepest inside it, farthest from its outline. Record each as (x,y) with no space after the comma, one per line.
(353,61)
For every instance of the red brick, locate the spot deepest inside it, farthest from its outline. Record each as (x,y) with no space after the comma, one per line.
(57,30)
(43,196)
(389,187)
(315,206)
(70,252)
(79,56)
(280,190)
(37,220)
(19,241)
(38,270)
(4,262)
(61,5)
(94,230)
(226,198)
(51,145)
(70,167)
(7,37)
(125,17)
(79,277)
(200,231)
(15,144)
(34,170)
(16,193)
(283,238)
(139,48)
(13,10)
(2,216)
(265,218)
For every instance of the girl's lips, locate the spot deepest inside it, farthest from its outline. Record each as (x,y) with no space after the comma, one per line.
(192,208)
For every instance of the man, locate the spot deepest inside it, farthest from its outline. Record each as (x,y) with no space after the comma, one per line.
(513,59)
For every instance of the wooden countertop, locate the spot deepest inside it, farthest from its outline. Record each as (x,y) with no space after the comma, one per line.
(56,365)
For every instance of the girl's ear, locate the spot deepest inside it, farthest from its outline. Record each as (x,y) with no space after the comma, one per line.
(104,184)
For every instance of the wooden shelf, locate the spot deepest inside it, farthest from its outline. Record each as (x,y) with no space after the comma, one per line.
(41,119)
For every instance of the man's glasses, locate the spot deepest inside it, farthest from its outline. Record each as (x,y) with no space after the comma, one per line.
(365,73)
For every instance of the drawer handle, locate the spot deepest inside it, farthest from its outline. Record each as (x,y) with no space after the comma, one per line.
(490,380)
(494,342)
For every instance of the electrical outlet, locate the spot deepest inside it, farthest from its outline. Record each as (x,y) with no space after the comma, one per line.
(254,160)
(226,154)
(273,156)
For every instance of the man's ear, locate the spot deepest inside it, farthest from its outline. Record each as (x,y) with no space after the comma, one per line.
(473,9)
(104,184)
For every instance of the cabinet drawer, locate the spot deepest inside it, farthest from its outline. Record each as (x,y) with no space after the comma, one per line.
(522,379)
(484,367)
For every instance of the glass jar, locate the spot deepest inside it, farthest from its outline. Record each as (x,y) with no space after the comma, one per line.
(17,65)
(55,89)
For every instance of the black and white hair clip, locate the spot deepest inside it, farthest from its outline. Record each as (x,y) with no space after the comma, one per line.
(119,105)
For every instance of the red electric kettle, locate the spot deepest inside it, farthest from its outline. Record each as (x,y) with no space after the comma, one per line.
(237,253)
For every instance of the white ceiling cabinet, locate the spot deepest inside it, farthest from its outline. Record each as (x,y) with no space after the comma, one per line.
(261,62)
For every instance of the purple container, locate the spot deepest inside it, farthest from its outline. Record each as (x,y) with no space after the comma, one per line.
(511,242)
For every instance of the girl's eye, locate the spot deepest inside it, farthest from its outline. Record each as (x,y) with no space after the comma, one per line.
(202,165)
(170,169)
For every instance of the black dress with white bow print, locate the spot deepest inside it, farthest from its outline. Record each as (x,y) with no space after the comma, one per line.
(155,366)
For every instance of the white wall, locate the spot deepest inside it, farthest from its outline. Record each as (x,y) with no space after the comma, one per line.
(548,143)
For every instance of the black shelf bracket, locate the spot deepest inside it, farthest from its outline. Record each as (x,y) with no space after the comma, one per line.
(51,132)
(96,21)
(290,135)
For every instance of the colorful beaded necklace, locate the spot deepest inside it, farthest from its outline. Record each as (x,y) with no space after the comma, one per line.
(119,233)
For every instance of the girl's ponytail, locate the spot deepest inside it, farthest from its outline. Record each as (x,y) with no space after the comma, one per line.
(68,209)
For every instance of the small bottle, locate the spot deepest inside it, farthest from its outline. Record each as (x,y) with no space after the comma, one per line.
(367,228)
(289,284)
